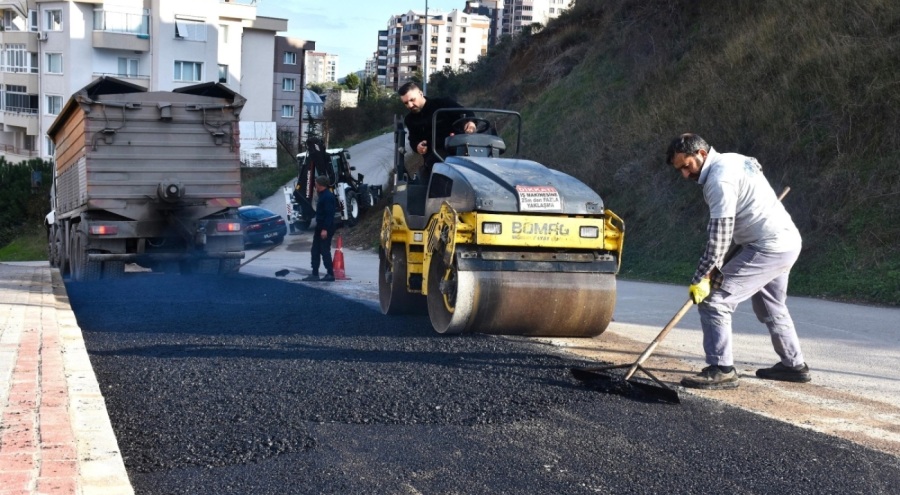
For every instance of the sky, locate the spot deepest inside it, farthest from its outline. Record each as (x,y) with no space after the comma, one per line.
(348,28)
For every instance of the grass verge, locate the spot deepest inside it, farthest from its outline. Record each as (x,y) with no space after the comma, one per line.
(31,245)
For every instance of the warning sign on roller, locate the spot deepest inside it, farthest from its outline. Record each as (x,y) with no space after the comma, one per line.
(538,198)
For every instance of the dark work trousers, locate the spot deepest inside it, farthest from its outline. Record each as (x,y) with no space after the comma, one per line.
(322,248)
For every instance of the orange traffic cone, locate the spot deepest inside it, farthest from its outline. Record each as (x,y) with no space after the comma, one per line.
(338,263)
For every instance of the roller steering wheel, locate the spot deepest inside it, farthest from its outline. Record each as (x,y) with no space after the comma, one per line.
(481,125)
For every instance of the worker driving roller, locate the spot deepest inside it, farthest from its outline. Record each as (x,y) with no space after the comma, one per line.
(419,124)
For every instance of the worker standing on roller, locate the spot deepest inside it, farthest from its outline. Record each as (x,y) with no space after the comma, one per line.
(743,208)
(418,123)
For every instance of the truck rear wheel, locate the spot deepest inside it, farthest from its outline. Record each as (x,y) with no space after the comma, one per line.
(113,269)
(82,269)
(229,265)
(64,253)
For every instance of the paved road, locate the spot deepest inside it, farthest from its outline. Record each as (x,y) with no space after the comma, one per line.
(260,385)
(852,349)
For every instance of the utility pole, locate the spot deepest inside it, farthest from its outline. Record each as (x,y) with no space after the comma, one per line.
(425,55)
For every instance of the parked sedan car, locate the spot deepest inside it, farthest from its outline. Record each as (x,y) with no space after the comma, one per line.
(261,225)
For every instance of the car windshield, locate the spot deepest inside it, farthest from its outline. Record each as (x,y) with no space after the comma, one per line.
(256,213)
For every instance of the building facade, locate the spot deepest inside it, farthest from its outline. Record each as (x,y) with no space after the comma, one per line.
(381,56)
(452,40)
(288,85)
(50,49)
(321,67)
(518,14)
(509,17)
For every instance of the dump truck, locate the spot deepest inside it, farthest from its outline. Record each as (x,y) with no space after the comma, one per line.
(146,177)
(497,245)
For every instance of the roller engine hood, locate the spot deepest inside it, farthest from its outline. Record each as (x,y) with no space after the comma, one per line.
(513,185)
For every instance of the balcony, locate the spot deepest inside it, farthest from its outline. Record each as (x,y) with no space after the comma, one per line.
(121,31)
(20,77)
(28,38)
(121,41)
(26,118)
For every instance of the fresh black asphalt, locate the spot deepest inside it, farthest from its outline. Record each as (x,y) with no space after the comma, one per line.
(243,385)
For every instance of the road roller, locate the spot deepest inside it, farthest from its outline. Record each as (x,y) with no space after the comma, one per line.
(494,243)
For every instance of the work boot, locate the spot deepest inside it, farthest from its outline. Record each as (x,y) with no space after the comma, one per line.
(312,277)
(712,378)
(329,277)
(780,372)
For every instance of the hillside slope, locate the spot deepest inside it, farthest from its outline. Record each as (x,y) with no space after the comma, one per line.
(810,88)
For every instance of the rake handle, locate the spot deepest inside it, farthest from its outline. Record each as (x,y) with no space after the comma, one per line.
(659,337)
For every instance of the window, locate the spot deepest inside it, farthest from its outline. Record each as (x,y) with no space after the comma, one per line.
(188,71)
(462,40)
(128,67)
(223,73)
(223,33)
(16,58)
(190,29)
(290,58)
(54,63)
(9,17)
(32,20)
(51,146)
(287,84)
(462,50)
(16,99)
(54,104)
(53,20)
(287,111)
(462,29)
(446,60)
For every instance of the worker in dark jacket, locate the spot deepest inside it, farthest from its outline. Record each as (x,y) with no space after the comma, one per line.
(419,123)
(321,244)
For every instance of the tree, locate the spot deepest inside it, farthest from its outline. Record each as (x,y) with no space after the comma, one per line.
(370,90)
(322,88)
(312,130)
(351,81)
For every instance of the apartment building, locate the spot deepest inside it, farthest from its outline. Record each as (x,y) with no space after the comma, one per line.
(449,39)
(520,13)
(321,67)
(50,49)
(510,16)
(288,85)
(380,56)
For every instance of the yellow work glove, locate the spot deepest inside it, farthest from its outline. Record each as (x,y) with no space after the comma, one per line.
(699,291)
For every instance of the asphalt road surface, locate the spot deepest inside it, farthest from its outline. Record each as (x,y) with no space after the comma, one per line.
(245,385)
